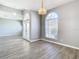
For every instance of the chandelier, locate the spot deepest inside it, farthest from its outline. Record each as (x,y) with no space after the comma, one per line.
(42,10)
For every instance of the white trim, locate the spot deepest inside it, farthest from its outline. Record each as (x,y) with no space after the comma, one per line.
(34,40)
(61,44)
(31,40)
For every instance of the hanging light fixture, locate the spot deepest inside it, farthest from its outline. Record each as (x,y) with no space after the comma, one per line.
(42,10)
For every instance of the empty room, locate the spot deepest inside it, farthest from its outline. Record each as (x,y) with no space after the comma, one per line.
(39,29)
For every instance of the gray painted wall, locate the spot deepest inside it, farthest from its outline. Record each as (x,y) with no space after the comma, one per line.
(42,26)
(69,23)
(35,25)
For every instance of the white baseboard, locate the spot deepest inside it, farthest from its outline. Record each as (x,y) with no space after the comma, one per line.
(61,44)
(30,40)
(34,40)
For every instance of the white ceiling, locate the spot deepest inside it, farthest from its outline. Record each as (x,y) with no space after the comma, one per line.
(33,4)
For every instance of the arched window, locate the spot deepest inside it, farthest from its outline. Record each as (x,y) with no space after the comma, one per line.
(51,25)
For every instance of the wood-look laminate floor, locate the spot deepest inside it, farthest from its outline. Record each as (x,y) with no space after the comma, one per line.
(21,49)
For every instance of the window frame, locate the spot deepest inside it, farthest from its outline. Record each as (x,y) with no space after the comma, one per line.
(56,19)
